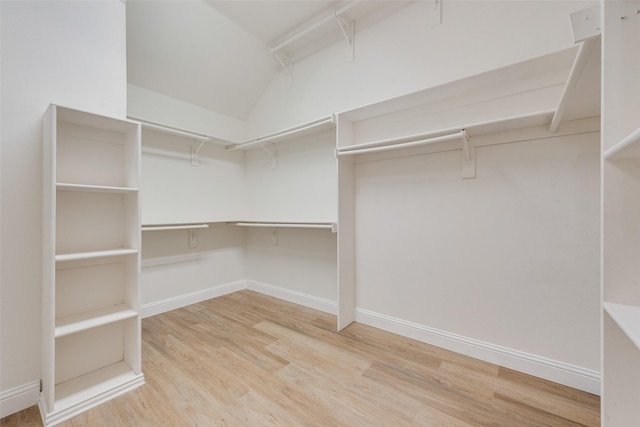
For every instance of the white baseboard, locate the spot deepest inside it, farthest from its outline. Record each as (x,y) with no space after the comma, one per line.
(563,373)
(183,300)
(19,398)
(552,370)
(306,300)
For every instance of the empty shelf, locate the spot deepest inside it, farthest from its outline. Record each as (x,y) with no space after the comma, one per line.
(63,186)
(628,319)
(96,254)
(93,388)
(92,319)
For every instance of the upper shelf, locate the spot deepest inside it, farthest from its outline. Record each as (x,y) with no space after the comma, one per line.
(563,85)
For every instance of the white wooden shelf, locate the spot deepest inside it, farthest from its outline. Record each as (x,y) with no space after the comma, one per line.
(92,319)
(274,224)
(94,388)
(627,317)
(627,148)
(96,254)
(91,213)
(174,227)
(63,186)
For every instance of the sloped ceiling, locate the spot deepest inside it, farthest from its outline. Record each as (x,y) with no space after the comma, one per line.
(216,54)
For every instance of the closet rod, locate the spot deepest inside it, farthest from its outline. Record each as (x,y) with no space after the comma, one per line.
(174,227)
(282,134)
(308,28)
(353,150)
(328,226)
(170,130)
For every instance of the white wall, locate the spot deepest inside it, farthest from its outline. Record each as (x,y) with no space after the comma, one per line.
(68,53)
(403,53)
(174,275)
(154,107)
(300,263)
(508,258)
(175,191)
(301,187)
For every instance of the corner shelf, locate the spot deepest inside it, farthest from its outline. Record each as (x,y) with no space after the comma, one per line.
(627,148)
(627,317)
(92,319)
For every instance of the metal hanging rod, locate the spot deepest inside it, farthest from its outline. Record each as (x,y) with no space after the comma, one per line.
(312,26)
(390,144)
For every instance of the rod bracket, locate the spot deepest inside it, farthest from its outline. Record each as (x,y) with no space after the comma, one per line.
(195,160)
(468,156)
(348,29)
(272,152)
(286,64)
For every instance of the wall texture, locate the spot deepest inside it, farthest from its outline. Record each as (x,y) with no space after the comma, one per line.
(67,53)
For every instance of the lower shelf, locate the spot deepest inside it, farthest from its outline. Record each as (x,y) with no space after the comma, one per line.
(87,391)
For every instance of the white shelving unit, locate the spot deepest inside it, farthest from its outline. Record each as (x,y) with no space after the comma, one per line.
(620,213)
(91,255)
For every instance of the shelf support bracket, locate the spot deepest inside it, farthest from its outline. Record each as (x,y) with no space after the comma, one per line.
(273,153)
(348,32)
(468,157)
(195,161)
(287,65)
(193,239)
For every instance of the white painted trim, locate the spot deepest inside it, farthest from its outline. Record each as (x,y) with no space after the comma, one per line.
(306,300)
(50,419)
(563,373)
(162,306)
(19,398)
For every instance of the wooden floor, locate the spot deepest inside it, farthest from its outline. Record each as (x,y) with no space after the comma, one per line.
(246,359)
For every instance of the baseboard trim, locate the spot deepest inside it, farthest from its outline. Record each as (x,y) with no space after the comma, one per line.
(306,300)
(168,304)
(50,419)
(19,398)
(563,373)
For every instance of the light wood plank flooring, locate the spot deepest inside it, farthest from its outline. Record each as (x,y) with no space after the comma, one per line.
(247,359)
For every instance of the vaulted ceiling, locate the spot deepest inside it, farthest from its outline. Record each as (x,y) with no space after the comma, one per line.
(216,54)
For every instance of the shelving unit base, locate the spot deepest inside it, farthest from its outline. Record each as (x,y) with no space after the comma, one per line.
(88,391)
